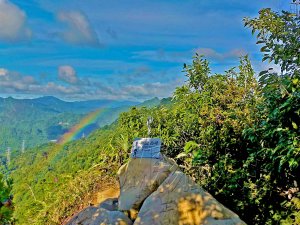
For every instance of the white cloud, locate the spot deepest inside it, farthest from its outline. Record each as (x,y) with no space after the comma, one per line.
(162,55)
(3,72)
(12,22)
(53,88)
(149,90)
(213,54)
(15,83)
(261,66)
(138,92)
(68,74)
(11,81)
(79,30)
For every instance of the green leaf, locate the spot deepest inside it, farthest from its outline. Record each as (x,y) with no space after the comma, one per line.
(295,126)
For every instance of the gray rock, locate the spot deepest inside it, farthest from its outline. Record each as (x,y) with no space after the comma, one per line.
(97,216)
(110,204)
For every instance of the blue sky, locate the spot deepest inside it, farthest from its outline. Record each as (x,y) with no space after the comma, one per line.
(118,49)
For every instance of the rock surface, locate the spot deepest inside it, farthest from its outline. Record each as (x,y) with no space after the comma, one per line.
(178,200)
(155,191)
(97,216)
(139,178)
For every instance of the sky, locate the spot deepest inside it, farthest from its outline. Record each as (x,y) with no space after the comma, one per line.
(119,49)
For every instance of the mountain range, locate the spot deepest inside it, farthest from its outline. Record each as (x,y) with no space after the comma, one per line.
(30,122)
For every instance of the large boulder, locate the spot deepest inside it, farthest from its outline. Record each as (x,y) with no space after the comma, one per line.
(179,200)
(155,192)
(110,204)
(99,216)
(139,178)
(83,216)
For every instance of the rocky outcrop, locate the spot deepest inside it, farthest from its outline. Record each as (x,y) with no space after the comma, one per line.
(178,200)
(141,177)
(155,191)
(99,215)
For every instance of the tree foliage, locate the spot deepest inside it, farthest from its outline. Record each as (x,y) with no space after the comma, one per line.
(6,207)
(279,33)
(275,138)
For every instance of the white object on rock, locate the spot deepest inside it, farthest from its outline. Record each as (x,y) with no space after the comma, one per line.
(146,148)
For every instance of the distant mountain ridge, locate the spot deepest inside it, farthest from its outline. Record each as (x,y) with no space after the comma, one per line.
(79,106)
(43,119)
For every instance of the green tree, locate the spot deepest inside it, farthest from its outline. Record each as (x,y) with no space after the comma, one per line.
(279,33)
(275,138)
(197,73)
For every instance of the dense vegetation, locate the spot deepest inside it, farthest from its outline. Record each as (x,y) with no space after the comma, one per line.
(55,180)
(59,179)
(6,207)
(236,135)
(37,121)
(34,125)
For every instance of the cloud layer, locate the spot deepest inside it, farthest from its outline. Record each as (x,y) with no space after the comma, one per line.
(68,74)
(13,23)
(213,54)
(74,88)
(78,29)
(143,45)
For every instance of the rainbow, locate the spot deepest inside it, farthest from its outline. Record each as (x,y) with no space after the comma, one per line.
(76,129)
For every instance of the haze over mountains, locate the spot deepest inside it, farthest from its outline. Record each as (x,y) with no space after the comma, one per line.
(43,119)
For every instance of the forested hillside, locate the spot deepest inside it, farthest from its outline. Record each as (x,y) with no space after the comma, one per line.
(40,120)
(235,133)
(32,122)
